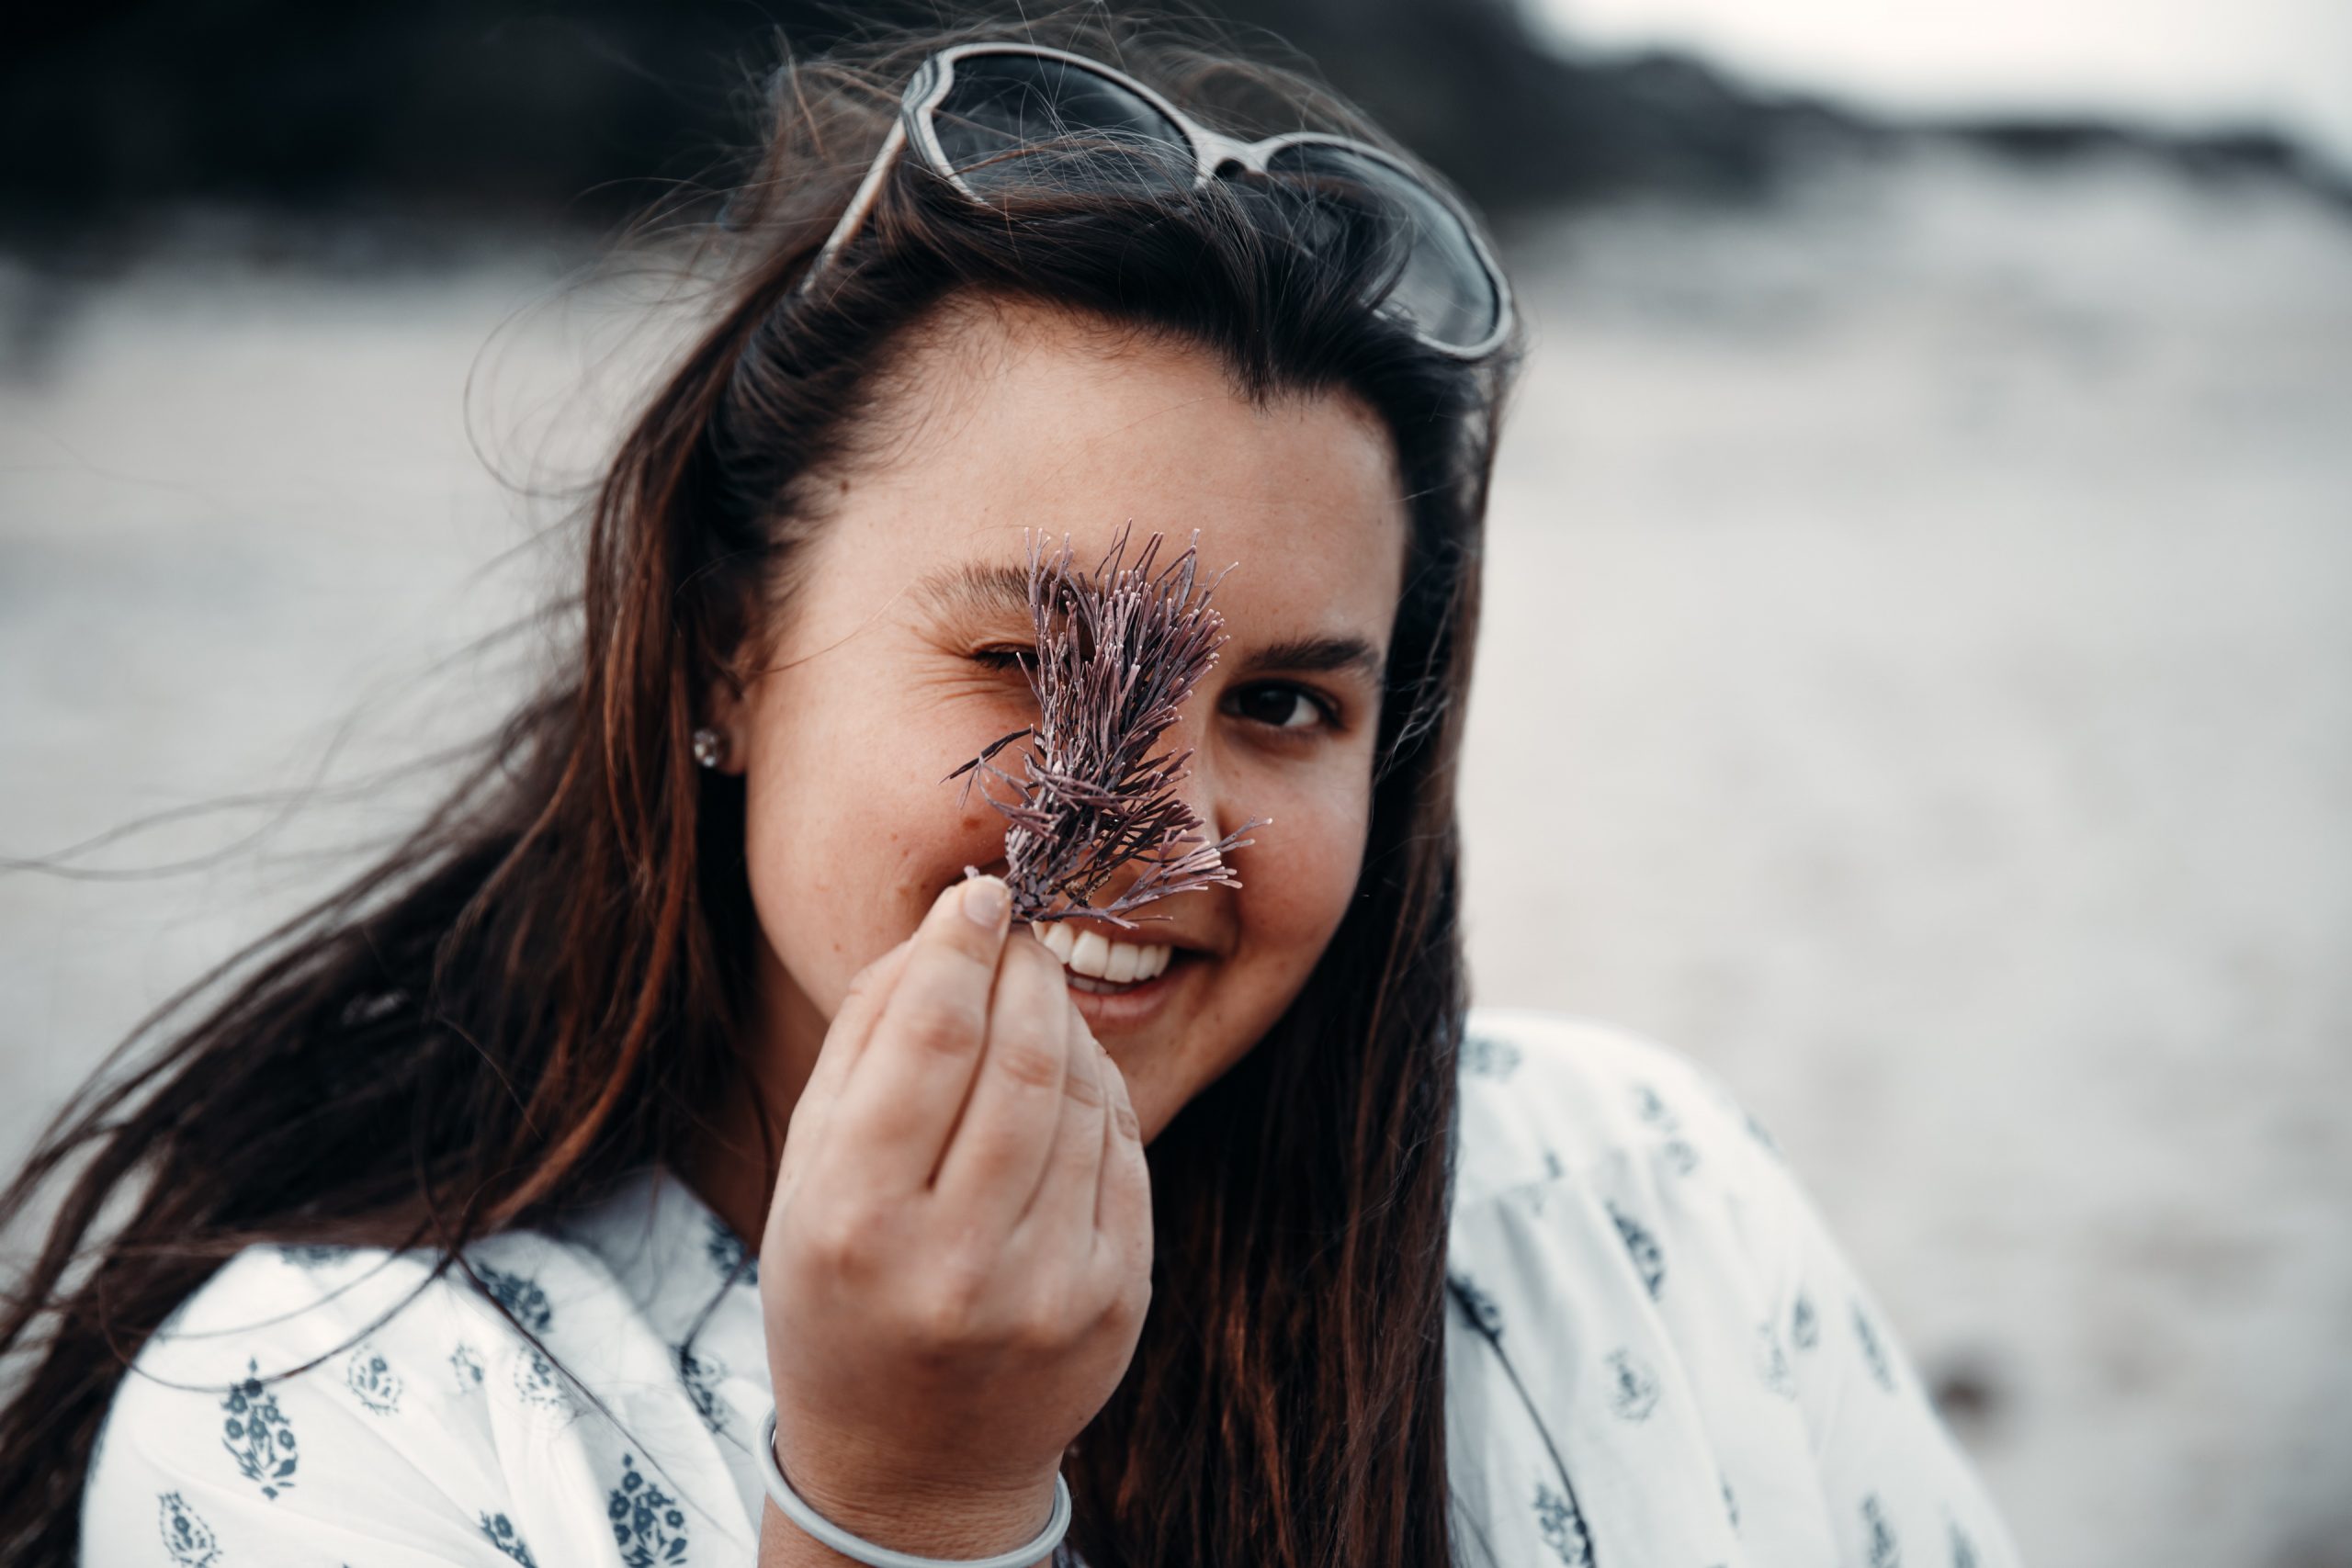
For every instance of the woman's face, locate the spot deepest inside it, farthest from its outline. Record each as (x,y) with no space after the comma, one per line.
(1010,417)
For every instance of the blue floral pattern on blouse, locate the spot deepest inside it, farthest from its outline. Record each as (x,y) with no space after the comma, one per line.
(465,1362)
(500,1531)
(1653,1109)
(307,1255)
(1487,1057)
(1772,1361)
(540,1386)
(1805,1326)
(699,1375)
(372,1379)
(729,1254)
(1873,1353)
(1633,1387)
(257,1436)
(185,1538)
(1563,1528)
(518,1295)
(647,1524)
(1649,1260)
(1886,1551)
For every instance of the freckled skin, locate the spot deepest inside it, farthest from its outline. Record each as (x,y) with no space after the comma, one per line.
(1016,416)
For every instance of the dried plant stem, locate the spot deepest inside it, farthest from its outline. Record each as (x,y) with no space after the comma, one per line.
(1118,655)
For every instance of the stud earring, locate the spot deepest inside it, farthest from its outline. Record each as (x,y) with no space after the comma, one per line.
(710,747)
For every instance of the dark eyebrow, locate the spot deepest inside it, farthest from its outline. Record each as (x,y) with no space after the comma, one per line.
(983,589)
(1323,655)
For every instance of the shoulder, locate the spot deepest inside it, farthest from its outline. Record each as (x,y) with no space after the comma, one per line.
(1543,1092)
(273,1310)
(1606,1180)
(309,1387)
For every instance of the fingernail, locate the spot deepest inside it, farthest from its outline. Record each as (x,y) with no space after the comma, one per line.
(986,898)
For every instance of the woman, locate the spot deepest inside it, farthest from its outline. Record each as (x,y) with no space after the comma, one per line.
(676,1076)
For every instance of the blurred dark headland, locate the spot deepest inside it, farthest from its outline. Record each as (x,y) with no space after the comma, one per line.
(114,117)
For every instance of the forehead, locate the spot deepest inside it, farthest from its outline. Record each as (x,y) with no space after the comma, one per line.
(1017,417)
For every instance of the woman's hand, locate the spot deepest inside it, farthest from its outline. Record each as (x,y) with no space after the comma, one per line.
(958,1256)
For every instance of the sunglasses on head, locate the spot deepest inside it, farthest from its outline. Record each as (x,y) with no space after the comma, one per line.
(982,114)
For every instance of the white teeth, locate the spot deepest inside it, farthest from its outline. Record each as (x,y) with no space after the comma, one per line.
(1091,953)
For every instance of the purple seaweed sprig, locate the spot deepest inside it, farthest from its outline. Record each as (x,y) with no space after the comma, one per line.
(1118,654)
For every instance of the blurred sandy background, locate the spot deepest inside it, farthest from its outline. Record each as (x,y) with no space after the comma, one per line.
(1917,682)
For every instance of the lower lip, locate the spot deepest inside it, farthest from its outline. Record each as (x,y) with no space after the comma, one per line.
(1119,1010)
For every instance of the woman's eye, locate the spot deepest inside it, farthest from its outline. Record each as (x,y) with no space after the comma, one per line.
(1005,657)
(1275,703)
(1279,705)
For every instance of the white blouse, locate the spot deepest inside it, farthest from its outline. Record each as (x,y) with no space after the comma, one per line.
(1657,1356)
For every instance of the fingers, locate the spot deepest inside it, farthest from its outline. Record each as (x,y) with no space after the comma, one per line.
(1062,1207)
(1122,1194)
(999,1151)
(845,1041)
(910,1081)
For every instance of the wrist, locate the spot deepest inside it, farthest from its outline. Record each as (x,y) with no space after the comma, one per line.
(913,1509)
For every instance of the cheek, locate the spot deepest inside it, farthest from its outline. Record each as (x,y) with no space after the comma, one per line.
(822,861)
(848,832)
(1299,879)
(1302,872)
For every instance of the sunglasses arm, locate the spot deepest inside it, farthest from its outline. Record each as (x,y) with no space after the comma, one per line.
(868,190)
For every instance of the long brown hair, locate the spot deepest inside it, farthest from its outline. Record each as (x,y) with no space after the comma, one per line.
(545,985)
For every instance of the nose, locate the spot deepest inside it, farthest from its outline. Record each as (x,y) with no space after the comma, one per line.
(1208,785)
(1216,792)
(1200,789)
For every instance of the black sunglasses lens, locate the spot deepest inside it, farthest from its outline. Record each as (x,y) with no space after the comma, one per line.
(1020,120)
(1441,287)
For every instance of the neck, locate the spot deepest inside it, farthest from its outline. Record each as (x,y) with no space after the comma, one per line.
(733,1168)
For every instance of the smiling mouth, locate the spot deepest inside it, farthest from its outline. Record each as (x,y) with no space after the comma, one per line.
(1096,985)
(1102,965)
(1128,1001)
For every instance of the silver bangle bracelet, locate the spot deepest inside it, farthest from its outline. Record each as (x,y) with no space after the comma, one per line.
(796,1510)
